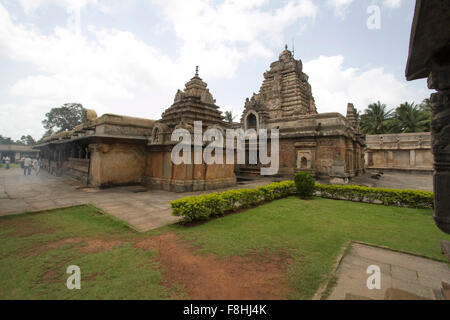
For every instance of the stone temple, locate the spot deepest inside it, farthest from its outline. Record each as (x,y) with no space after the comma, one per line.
(327,144)
(118,150)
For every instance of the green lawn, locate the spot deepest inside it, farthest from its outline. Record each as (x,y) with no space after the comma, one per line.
(313,232)
(12,165)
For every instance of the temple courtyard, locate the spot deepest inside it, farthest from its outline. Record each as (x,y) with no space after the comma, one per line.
(286,249)
(129,245)
(140,208)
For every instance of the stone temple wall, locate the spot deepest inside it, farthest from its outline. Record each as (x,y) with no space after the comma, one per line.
(403,152)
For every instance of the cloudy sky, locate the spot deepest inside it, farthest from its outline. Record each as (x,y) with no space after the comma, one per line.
(130,56)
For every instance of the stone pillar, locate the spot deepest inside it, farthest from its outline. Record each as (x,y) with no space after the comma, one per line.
(390,159)
(439,79)
(412,158)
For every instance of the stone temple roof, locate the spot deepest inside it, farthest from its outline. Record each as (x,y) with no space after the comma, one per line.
(285,91)
(430,36)
(194,103)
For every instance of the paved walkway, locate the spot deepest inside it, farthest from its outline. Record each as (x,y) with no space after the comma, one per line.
(396,180)
(413,274)
(142,209)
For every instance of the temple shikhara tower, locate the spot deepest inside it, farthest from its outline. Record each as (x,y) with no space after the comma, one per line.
(326,144)
(285,91)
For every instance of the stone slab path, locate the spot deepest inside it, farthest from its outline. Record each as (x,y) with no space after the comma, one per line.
(413,274)
(396,180)
(142,209)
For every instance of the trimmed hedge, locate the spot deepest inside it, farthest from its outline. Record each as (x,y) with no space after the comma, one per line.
(389,197)
(206,206)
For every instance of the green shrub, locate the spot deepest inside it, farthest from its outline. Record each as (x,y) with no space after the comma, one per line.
(206,206)
(304,184)
(390,197)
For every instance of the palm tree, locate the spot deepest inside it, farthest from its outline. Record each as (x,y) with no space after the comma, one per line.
(425,107)
(377,119)
(411,118)
(229,116)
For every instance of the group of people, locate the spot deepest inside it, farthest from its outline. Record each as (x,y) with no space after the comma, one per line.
(29,164)
(26,163)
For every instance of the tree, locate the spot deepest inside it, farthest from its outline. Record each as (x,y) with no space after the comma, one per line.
(425,107)
(229,116)
(48,133)
(64,118)
(411,118)
(27,140)
(376,119)
(6,140)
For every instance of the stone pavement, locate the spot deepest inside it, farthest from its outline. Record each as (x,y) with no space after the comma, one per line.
(396,180)
(420,276)
(142,209)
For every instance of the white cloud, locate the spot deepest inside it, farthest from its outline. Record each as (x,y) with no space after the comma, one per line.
(116,72)
(334,86)
(340,6)
(221,36)
(31,6)
(394,4)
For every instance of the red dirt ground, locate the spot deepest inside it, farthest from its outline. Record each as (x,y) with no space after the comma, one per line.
(250,277)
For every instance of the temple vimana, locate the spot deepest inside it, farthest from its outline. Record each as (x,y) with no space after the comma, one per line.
(118,150)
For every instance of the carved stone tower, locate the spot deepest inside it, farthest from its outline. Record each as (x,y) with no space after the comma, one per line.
(284,93)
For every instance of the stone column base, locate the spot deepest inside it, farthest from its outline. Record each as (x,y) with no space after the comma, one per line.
(189,185)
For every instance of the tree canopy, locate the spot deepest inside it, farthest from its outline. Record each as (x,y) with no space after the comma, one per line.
(410,118)
(407,117)
(24,140)
(64,118)
(229,116)
(376,119)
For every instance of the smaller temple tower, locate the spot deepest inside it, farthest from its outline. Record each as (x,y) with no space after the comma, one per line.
(194,103)
(352,117)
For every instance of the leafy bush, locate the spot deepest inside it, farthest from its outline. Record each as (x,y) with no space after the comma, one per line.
(206,206)
(389,197)
(304,184)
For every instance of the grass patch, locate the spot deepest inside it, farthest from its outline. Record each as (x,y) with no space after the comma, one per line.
(314,232)
(33,265)
(35,251)
(11,165)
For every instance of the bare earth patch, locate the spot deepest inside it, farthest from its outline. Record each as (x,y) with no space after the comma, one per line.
(85,245)
(51,276)
(23,228)
(250,277)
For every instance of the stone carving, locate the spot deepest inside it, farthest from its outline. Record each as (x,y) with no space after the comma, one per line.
(304,160)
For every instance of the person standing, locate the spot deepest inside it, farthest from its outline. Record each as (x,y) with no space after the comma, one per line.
(37,165)
(27,166)
(7,161)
